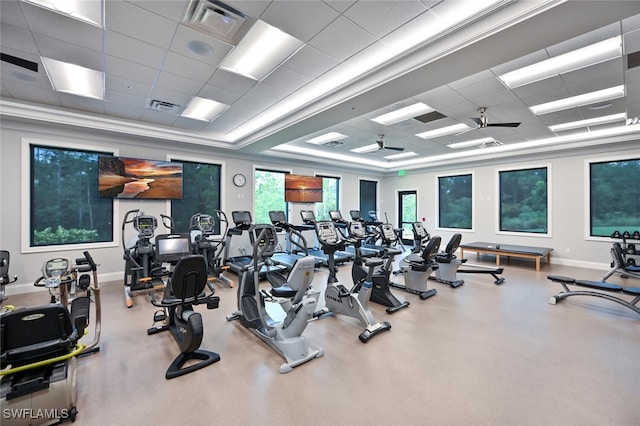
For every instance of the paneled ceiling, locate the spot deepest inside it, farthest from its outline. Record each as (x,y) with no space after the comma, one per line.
(358,60)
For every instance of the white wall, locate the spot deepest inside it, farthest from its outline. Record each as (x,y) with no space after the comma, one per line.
(568,186)
(28,265)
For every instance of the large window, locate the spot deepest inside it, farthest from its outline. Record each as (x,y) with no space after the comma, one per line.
(63,201)
(455,201)
(368,197)
(269,195)
(614,197)
(330,197)
(523,200)
(200,194)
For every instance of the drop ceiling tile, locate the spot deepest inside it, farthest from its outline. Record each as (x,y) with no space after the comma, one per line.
(67,52)
(386,16)
(342,39)
(167,95)
(127,85)
(127,69)
(231,82)
(81,103)
(253,8)
(134,50)
(34,91)
(185,35)
(340,5)
(124,110)
(219,94)
(63,28)
(173,10)
(130,20)
(311,62)
(188,68)
(286,78)
(17,38)
(158,117)
(190,124)
(11,13)
(301,19)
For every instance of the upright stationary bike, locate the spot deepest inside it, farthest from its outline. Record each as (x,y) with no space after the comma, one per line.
(381,280)
(185,289)
(338,299)
(296,297)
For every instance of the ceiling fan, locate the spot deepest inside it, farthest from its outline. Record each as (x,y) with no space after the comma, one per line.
(382,146)
(482,121)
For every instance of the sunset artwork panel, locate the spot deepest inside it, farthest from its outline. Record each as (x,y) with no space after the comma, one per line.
(302,189)
(124,177)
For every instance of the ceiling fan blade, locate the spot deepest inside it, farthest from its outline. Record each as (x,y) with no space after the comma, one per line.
(503,124)
(394,148)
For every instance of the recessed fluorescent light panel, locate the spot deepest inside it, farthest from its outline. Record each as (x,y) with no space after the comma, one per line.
(403,114)
(443,131)
(401,155)
(327,137)
(74,79)
(590,122)
(571,61)
(471,143)
(203,109)
(366,148)
(89,11)
(580,100)
(261,51)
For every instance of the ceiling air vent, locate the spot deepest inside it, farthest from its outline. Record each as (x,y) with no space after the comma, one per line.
(333,143)
(430,116)
(633,60)
(218,20)
(167,107)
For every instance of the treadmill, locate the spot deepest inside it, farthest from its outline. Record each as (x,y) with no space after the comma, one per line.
(289,256)
(309,223)
(243,223)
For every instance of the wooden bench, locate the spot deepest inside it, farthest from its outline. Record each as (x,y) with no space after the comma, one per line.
(508,250)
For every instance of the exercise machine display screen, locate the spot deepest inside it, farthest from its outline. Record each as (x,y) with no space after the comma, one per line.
(277,216)
(55,267)
(242,217)
(327,232)
(419,230)
(357,230)
(387,231)
(173,248)
(205,223)
(308,216)
(145,225)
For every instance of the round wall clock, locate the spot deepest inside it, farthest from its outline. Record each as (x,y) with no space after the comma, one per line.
(239,179)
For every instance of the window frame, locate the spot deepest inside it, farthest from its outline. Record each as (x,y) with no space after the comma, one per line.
(338,192)
(549,232)
(587,191)
(256,167)
(25,204)
(473,201)
(201,160)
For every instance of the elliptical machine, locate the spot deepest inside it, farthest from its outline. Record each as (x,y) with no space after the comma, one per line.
(185,289)
(202,238)
(296,297)
(4,273)
(338,299)
(142,273)
(380,293)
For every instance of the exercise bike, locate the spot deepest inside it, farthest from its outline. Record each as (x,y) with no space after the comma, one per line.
(142,271)
(338,299)
(4,273)
(40,345)
(296,297)
(202,228)
(185,289)
(380,292)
